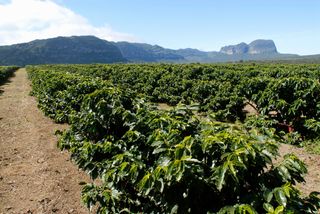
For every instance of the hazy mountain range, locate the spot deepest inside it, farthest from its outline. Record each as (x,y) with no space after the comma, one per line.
(90,49)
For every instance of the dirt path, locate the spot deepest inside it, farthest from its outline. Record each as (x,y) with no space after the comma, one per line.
(35,177)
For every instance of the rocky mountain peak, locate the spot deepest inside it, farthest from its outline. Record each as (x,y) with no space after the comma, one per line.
(262,47)
(256,47)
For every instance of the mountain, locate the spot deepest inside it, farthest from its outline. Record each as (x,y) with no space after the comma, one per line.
(75,50)
(256,50)
(256,47)
(262,47)
(90,49)
(241,48)
(140,52)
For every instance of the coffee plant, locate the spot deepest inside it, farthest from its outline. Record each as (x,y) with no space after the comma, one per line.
(210,159)
(6,72)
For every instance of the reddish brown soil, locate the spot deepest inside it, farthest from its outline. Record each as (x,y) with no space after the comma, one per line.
(35,177)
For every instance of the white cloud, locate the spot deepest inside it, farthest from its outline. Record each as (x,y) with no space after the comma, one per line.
(26,20)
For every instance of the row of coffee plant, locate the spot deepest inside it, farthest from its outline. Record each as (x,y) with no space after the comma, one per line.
(6,72)
(286,94)
(166,161)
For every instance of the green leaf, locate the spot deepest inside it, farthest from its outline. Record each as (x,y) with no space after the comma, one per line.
(174,209)
(280,197)
(245,208)
(268,207)
(268,195)
(220,176)
(159,150)
(126,210)
(279,210)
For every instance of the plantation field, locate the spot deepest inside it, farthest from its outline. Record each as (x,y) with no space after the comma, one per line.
(169,138)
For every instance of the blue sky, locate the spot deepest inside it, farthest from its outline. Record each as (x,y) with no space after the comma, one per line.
(203,24)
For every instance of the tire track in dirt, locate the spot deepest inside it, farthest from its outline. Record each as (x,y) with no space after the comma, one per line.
(35,177)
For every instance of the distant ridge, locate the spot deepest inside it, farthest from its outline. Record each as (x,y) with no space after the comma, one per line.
(256,50)
(75,49)
(90,49)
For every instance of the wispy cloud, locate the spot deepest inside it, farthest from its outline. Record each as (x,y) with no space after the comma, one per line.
(26,20)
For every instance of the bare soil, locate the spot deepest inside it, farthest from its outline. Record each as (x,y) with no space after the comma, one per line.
(35,176)
(313,163)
